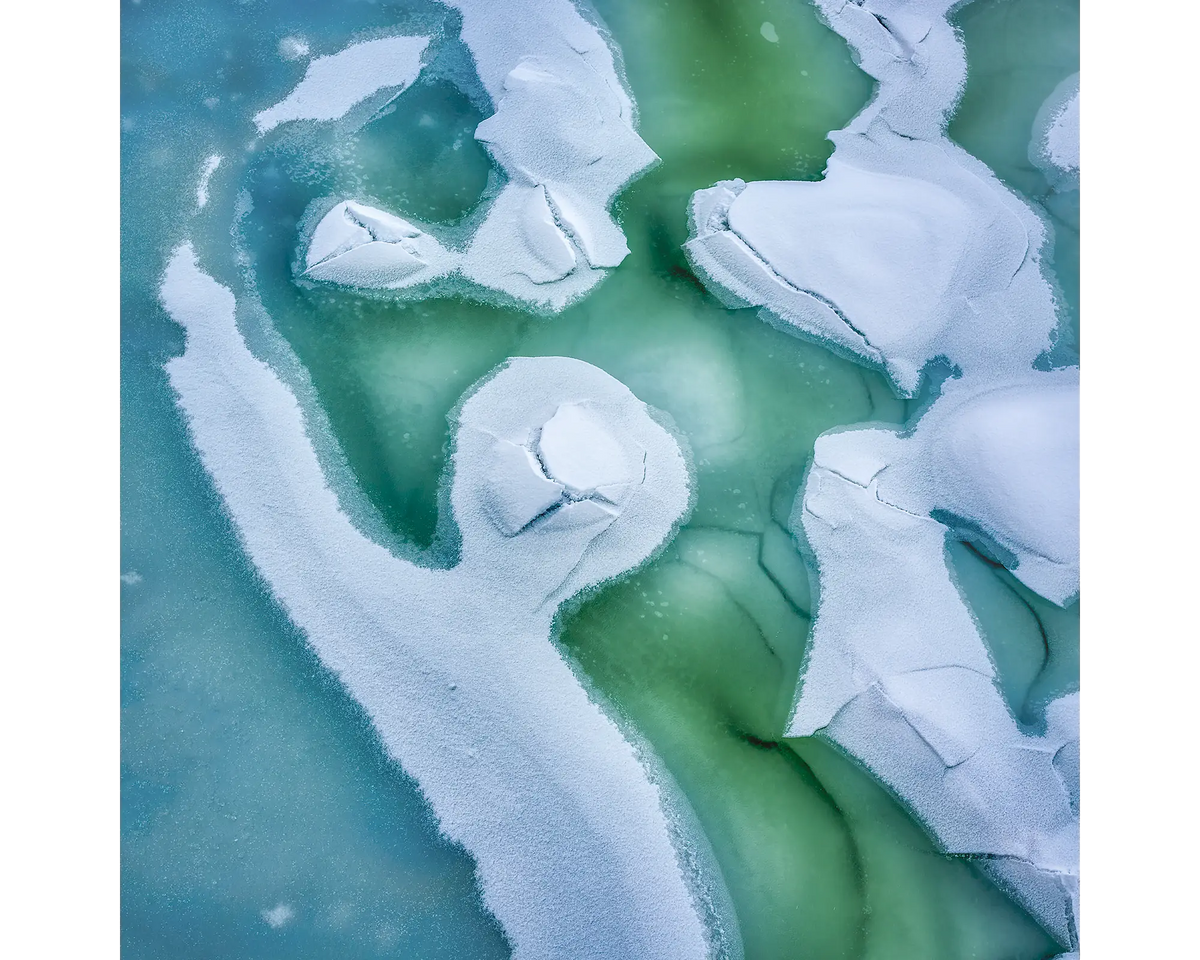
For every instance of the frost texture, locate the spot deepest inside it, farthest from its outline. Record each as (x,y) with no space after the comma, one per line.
(910,250)
(561,480)
(562,132)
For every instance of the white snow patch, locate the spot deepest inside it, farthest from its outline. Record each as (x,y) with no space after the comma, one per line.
(909,248)
(580,453)
(362,246)
(897,673)
(278,915)
(293,48)
(519,490)
(332,85)
(206,172)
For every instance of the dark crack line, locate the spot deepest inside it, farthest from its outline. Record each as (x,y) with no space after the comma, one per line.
(825,301)
(740,607)
(783,592)
(903,44)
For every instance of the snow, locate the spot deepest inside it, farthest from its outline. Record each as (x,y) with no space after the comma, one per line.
(362,246)
(519,490)
(580,453)
(334,84)
(1054,144)
(278,915)
(577,847)
(909,248)
(544,241)
(206,172)
(1006,458)
(899,676)
(293,48)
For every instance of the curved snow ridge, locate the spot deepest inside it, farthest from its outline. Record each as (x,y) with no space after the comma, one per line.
(335,84)
(562,131)
(456,668)
(1054,143)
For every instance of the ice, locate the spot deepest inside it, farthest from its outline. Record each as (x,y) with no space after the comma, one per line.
(577,849)
(544,240)
(562,131)
(358,245)
(910,250)
(334,84)
(1054,144)
(293,48)
(899,676)
(1006,459)
(581,454)
(785,567)
(1062,139)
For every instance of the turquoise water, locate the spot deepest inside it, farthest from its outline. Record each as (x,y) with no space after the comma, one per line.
(251,782)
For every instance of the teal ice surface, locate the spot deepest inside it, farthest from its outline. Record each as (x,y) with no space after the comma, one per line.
(254,790)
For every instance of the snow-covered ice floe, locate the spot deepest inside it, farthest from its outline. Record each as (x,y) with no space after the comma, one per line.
(910,250)
(333,85)
(1054,144)
(897,672)
(562,132)
(561,480)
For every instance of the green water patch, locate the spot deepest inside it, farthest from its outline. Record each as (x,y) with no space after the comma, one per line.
(717,99)
(918,903)
(690,668)
(695,654)
(441,171)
